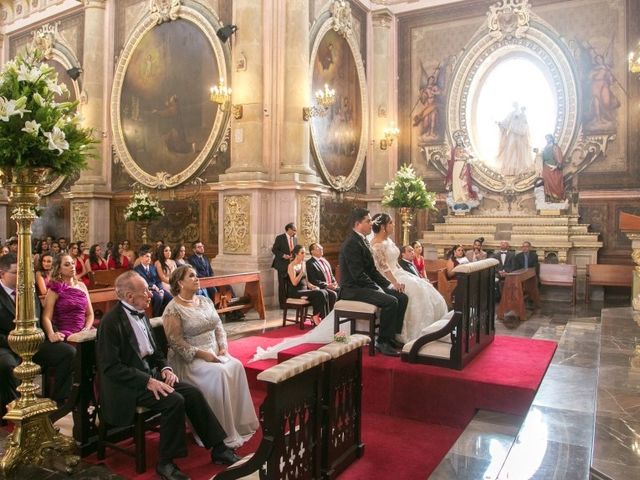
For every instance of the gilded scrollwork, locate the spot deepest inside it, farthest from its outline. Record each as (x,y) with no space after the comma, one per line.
(341,17)
(508,17)
(237,224)
(309,222)
(80,220)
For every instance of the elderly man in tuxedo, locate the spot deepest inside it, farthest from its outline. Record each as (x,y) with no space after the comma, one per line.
(58,355)
(160,297)
(361,281)
(406,260)
(134,372)
(282,248)
(505,257)
(319,274)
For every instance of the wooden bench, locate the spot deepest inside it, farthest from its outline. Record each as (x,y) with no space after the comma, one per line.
(252,291)
(432,267)
(516,285)
(446,286)
(106,278)
(560,275)
(608,276)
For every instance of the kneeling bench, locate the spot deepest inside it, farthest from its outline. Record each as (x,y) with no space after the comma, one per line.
(353,311)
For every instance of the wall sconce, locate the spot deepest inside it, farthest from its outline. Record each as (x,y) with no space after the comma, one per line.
(237,111)
(634,60)
(390,133)
(324,98)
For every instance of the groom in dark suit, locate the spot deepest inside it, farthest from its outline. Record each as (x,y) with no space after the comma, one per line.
(134,372)
(360,281)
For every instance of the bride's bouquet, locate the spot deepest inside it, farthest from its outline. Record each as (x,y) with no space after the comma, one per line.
(143,208)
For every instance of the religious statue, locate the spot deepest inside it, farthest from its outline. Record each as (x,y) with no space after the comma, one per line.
(552,171)
(463,196)
(515,153)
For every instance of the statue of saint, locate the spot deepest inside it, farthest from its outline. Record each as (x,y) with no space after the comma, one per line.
(552,171)
(458,178)
(515,153)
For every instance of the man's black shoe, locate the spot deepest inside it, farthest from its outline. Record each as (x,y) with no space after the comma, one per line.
(385,349)
(225,457)
(170,471)
(396,344)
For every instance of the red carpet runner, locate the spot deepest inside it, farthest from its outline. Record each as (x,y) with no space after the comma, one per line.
(412,414)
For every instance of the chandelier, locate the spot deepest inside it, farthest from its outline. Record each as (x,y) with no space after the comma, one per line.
(324,98)
(634,60)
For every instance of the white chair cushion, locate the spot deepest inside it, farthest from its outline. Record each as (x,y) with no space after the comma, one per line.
(336,349)
(432,349)
(355,306)
(293,366)
(298,301)
(435,326)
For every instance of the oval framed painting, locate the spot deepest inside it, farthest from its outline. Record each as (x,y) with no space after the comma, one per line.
(164,123)
(339,137)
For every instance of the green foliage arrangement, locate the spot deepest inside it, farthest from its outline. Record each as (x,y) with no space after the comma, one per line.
(407,190)
(143,208)
(35,130)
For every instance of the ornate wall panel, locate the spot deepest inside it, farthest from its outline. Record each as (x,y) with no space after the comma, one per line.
(309,219)
(80,221)
(237,224)
(334,223)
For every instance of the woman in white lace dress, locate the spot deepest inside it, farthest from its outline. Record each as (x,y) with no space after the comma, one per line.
(426,305)
(198,355)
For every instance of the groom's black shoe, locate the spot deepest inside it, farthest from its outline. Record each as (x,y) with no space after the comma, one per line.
(224,456)
(386,349)
(170,471)
(396,344)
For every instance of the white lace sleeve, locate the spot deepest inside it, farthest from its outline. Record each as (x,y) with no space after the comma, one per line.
(172,323)
(380,258)
(218,328)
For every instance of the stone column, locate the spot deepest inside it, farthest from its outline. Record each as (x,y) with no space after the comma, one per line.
(90,194)
(635,255)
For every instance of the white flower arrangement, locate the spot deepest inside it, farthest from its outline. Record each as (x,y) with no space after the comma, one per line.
(142,208)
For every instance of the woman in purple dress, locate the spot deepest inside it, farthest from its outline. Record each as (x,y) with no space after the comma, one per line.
(67,308)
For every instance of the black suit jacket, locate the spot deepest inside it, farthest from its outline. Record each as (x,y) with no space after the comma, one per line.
(8,316)
(357,269)
(201,265)
(280,248)
(152,277)
(315,274)
(508,261)
(408,266)
(518,261)
(123,373)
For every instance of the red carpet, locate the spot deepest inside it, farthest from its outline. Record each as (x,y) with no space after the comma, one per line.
(412,414)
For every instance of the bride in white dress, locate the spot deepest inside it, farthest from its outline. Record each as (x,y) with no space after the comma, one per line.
(198,355)
(426,305)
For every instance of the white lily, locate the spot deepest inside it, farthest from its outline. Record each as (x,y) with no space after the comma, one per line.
(54,87)
(32,127)
(26,74)
(9,108)
(57,140)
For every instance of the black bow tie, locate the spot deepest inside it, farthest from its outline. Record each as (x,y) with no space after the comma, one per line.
(133,312)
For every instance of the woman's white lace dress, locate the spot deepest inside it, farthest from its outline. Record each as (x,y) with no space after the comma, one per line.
(224,385)
(425,306)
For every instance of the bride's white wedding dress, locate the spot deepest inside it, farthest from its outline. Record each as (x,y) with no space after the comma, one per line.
(425,306)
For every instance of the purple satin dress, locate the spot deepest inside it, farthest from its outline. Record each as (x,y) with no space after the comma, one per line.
(70,308)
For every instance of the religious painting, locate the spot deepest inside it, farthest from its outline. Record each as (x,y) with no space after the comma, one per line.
(428,111)
(338,133)
(165,124)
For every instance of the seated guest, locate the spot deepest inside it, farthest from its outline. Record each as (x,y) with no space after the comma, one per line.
(298,287)
(144,248)
(95,261)
(115,259)
(418,259)
(128,252)
(505,257)
(407,255)
(159,297)
(80,267)
(526,258)
(202,266)
(83,250)
(55,248)
(43,273)
(67,308)
(50,355)
(133,372)
(179,255)
(164,265)
(476,253)
(199,355)
(455,257)
(62,241)
(319,274)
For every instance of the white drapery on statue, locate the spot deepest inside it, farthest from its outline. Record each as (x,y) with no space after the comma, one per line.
(515,153)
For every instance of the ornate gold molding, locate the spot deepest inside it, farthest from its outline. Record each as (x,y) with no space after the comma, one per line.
(341,17)
(237,224)
(80,220)
(508,17)
(164,10)
(309,221)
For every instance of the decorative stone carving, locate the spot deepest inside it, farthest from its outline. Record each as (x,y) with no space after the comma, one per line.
(80,221)
(309,222)
(508,17)
(237,224)
(44,38)
(341,17)
(382,19)
(164,10)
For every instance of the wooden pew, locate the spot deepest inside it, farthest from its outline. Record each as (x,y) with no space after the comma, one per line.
(608,276)
(432,267)
(516,284)
(106,278)
(252,290)
(560,275)
(446,286)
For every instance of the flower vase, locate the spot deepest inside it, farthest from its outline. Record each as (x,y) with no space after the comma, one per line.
(144,229)
(406,215)
(28,413)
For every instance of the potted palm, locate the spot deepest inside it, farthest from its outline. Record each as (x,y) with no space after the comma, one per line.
(408,193)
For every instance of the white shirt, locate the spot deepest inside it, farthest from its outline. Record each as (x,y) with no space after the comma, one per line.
(140,331)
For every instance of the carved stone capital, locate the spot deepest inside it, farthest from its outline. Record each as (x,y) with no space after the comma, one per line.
(382,19)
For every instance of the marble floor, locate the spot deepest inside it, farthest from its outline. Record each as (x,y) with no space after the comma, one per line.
(584,421)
